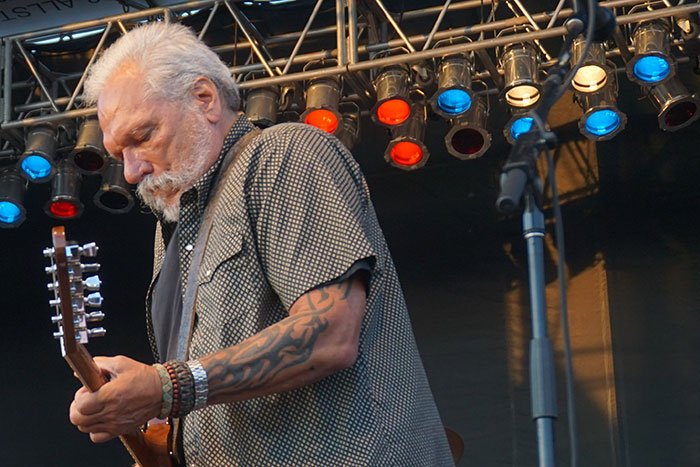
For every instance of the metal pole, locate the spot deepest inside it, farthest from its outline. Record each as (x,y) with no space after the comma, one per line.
(353,53)
(436,26)
(236,16)
(297,46)
(99,46)
(205,28)
(32,69)
(341,42)
(394,25)
(7,82)
(75,113)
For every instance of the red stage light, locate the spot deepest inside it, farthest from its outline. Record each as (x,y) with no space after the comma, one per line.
(393,112)
(323,119)
(680,114)
(406,153)
(64,209)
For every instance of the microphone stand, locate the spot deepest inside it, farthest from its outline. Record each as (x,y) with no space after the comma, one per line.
(520,180)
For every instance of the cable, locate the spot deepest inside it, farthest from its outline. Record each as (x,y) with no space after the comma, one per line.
(564,311)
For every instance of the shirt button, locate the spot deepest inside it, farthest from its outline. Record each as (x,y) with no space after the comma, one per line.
(189,247)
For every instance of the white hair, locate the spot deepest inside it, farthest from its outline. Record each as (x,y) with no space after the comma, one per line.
(170,57)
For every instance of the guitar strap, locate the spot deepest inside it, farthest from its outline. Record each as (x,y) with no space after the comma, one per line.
(188,302)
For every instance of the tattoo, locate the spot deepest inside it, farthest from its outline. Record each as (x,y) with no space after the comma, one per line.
(289,343)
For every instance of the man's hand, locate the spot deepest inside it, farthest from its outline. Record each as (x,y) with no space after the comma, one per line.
(130,398)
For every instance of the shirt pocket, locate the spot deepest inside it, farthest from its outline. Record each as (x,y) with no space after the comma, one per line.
(224,243)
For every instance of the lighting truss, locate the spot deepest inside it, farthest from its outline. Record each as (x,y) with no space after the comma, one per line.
(270,48)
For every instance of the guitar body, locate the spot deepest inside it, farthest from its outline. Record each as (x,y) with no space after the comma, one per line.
(150,447)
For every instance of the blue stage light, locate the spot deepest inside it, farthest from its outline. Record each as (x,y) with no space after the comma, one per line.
(521,126)
(36,167)
(454,101)
(651,69)
(9,212)
(602,122)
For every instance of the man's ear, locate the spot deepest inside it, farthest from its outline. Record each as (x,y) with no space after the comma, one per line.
(206,97)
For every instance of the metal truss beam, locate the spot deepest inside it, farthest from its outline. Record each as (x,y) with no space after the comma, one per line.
(364,36)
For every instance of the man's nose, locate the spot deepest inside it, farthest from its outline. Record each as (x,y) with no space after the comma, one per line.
(135,169)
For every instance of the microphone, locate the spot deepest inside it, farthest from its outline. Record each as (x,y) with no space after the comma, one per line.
(605,21)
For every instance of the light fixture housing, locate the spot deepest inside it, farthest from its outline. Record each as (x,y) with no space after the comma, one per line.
(115,194)
(351,125)
(261,106)
(89,154)
(64,202)
(393,105)
(602,119)
(520,122)
(677,107)
(406,149)
(594,71)
(652,62)
(37,161)
(454,95)
(468,138)
(12,189)
(322,102)
(520,71)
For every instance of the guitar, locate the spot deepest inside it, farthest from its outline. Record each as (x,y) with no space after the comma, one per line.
(149,447)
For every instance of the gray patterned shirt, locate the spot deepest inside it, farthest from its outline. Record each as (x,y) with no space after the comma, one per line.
(296,214)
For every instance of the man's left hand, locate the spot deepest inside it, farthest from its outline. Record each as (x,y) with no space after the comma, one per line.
(130,398)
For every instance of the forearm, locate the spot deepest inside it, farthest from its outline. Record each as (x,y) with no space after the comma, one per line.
(317,339)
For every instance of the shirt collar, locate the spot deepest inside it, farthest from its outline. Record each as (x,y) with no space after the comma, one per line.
(240,127)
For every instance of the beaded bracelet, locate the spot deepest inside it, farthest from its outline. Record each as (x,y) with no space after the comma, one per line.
(167,388)
(185,383)
(176,389)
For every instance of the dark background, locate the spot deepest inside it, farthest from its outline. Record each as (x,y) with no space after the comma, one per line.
(448,244)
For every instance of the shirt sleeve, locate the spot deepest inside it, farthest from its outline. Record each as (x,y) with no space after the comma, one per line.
(311,216)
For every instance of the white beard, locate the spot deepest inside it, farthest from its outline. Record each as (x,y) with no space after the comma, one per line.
(181,177)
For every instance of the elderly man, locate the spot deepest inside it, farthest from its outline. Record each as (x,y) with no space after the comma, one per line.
(275,304)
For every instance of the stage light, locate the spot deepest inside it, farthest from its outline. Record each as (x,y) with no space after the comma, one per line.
(393,106)
(65,193)
(261,106)
(468,138)
(652,62)
(520,69)
(406,150)
(12,189)
(520,122)
(601,119)
(351,125)
(677,107)
(36,163)
(114,194)
(322,100)
(593,74)
(454,95)
(89,155)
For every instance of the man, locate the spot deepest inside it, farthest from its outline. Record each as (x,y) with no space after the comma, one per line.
(300,350)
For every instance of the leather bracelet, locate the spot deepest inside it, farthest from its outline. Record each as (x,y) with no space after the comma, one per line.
(201,384)
(166,385)
(185,382)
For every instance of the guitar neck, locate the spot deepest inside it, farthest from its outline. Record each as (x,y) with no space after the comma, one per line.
(139,444)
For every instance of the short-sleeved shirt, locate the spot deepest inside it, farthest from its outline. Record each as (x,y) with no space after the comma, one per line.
(295,213)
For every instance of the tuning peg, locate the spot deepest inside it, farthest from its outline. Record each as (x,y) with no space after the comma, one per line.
(96,332)
(48,252)
(94,300)
(58,334)
(92,267)
(92,283)
(50,269)
(89,249)
(55,302)
(94,316)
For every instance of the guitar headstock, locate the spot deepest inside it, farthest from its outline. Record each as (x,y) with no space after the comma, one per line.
(76,299)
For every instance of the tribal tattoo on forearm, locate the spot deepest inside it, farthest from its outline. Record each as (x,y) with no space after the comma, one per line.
(286,344)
